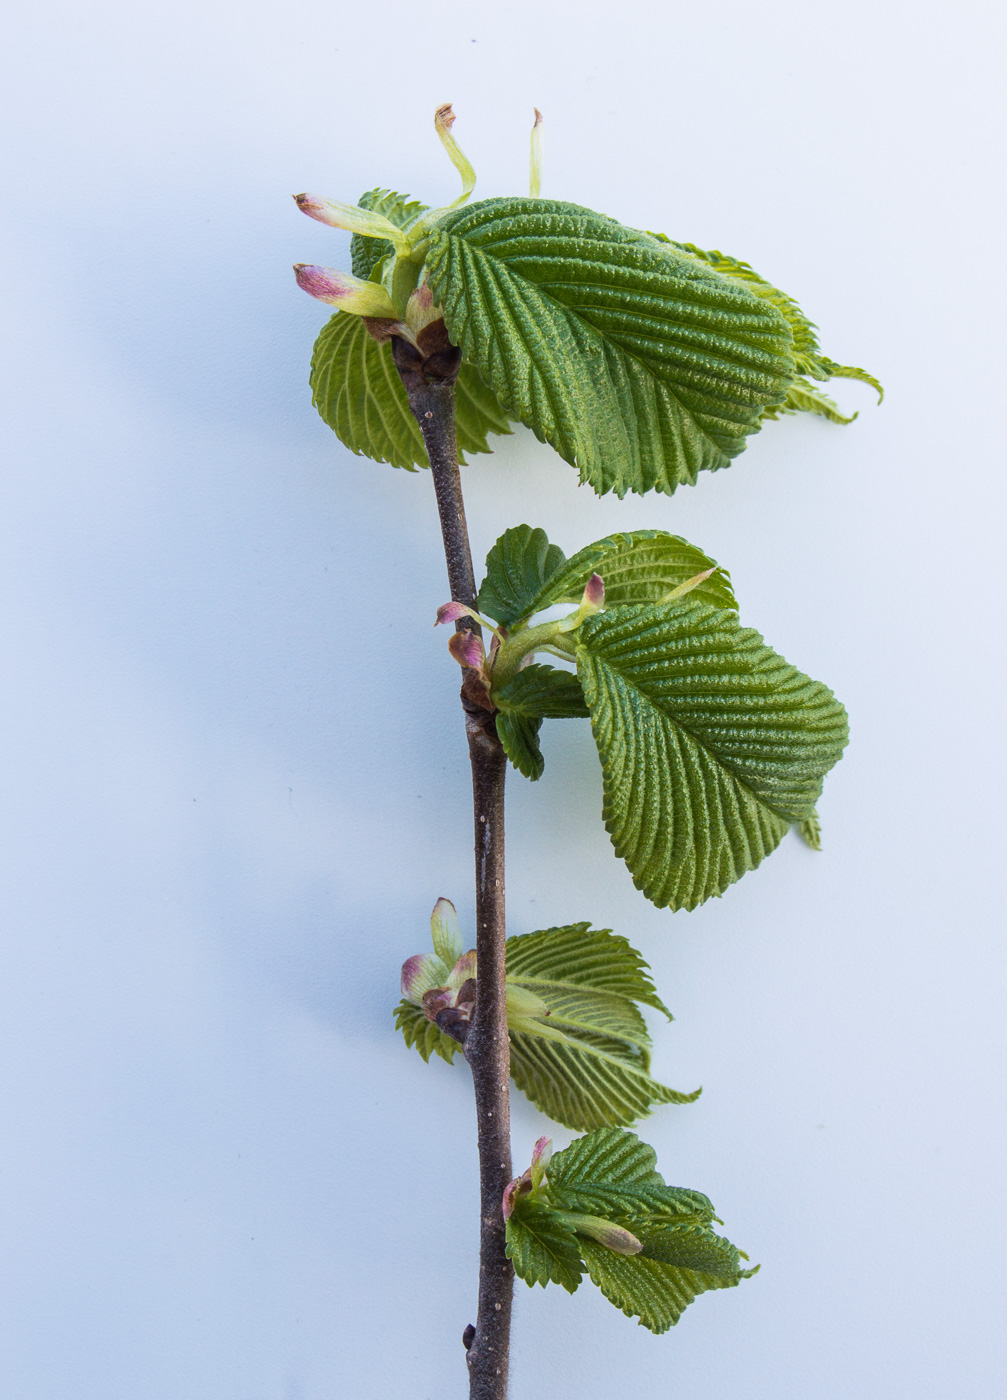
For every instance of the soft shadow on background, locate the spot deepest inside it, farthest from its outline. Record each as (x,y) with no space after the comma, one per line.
(235,779)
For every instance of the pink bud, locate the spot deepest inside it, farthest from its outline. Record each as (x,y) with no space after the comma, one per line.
(467,649)
(518,1187)
(420,973)
(351,294)
(594,593)
(451,612)
(463,969)
(540,1158)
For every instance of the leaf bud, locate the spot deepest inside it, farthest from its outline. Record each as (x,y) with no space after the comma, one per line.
(541,1155)
(351,218)
(467,649)
(445,932)
(348,293)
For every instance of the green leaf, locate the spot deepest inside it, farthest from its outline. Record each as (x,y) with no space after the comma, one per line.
(423,1034)
(639,364)
(518,734)
(517,569)
(807,354)
(655,1293)
(357,390)
(711,745)
(542,1247)
(613,1174)
(576,957)
(642,566)
(533,694)
(803,397)
(584,1082)
(398,209)
(543,692)
(811,831)
(587,1064)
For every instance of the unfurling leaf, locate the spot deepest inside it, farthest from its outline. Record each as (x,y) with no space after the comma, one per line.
(649,1247)
(638,363)
(807,355)
(712,746)
(525,573)
(580,1048)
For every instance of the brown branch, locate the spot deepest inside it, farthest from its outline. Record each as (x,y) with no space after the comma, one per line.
(429,381)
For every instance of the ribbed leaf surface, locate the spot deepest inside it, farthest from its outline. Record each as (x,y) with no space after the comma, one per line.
(580,1085)
(518,733)
(712,746)
(577,956)
(517,568)
(543,691)
(398,209)
(641,365)
(807,353)
(542,1248)
(642,566)
(534,694)
(655,1293)
(613,1174)
(357,390)
(423,1034)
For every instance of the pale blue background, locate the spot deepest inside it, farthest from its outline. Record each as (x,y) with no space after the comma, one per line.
(235,779)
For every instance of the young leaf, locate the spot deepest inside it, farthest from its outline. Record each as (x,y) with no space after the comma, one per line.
(639,364)
(811,831)
(543,692)
(587,1064)
(807,354)
(642,566)
(357,390)
(583,1081)
(580,1048)
(423,1034)
(398,209)
(577,956)
(612,1173)
(518,733)
(534,694)
(803,397)
(541,1246)
(656,1294)
(712,746)
(517,569)
(648,1246)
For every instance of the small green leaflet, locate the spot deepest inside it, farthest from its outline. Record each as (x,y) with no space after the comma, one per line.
(610,1177)
(518,734)
(803,397)
(807,354)
(811,831)
(587,1063)
(398,209)
(543,1248)
(535,693)
(423,1034)
(357,390)
(712,746)
(639,364)
(525,573)
(517,569)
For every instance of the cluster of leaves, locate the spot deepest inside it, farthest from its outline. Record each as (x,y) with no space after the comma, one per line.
(640,360)
(712,746)
(600,1207)
(580,1048)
